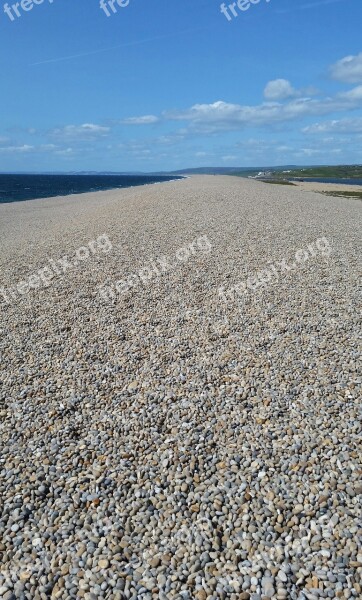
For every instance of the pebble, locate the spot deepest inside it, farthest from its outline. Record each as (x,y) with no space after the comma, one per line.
(166,445)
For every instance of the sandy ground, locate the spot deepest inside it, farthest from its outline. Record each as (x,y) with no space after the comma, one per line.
(310,186)
(180,387)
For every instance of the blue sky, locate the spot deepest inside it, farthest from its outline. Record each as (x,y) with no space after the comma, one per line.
(166,84)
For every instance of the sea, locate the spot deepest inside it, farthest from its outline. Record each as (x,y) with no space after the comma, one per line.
(328,180)
(29,187)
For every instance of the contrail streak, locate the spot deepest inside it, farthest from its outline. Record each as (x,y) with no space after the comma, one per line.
(306,6)
(136,43)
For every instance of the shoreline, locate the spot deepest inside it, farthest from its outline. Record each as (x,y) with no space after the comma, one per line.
(308,186)
(107,189)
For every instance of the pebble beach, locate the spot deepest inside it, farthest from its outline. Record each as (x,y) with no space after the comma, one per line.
(194,433)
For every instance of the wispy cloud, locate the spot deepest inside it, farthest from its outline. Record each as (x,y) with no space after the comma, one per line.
(348,69)
(16,149)
(66,152)
(336,126)
(87,131)
(145,120)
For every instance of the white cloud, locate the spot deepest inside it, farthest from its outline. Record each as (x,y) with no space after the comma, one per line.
(229,158)
(336,126)
(348,69)
(15,149)
(224,116)
(88,131)
(354,95)
(172,138)
(145,120)
(65,152)
(309,151)
(279,89)
(282,89)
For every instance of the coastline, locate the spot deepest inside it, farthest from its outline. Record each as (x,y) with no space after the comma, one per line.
(314,186)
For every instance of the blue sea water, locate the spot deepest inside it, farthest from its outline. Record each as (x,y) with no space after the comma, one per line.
(329,180)
(29,187)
